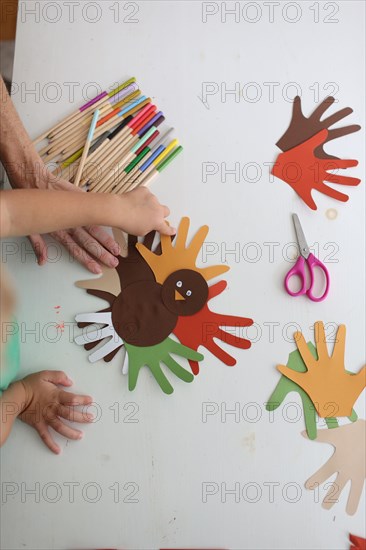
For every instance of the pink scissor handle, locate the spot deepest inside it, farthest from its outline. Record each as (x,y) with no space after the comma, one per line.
(313,262)
(299,271)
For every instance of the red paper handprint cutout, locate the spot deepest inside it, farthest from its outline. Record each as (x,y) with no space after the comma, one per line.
(303,171)
(203,327)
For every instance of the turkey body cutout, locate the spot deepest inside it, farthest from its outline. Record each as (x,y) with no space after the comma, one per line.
(203,327)
(302,171)
(332,389)
(286,386)
(147,294)
(348,461)
(302,128)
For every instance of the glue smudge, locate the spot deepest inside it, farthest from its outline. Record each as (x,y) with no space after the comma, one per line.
(331,213)
(249,442)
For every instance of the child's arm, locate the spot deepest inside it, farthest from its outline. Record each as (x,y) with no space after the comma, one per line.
(23,212)
(40,402)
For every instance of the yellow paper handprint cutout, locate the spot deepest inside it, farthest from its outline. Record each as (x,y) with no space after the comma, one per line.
(178,256)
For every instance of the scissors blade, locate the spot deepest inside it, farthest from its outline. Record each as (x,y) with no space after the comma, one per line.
(303,245)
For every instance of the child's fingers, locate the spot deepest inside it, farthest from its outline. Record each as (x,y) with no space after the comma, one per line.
(69,413)
(63,429)
(45,435)
(73,400)
(166,211)
(165,229)
(57,377)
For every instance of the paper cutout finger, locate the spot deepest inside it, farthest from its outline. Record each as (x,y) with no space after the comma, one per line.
(109,280)
(302,171)
(131,268)
(332,389)
(357,543)
(286,386)
(154,355)
(101,317)
(176,256)
(99,334)
(302,128)
(202,328)
(348,461)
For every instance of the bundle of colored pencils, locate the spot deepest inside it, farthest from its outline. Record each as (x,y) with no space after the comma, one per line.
(112,144)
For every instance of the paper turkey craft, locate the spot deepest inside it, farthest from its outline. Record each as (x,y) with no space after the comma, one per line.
(151,295)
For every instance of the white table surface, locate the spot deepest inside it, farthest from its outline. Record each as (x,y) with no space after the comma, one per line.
(169,453)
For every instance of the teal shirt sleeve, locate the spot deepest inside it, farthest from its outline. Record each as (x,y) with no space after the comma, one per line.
(10,362)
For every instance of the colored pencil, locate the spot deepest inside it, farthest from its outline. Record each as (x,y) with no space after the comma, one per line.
(79,125)
(105,182)
(147,181)
(120,141)
(77,142)
(77,130)
(89,139)
(96,102)
(131,152)
(135,168)
(114,150)
(143,175)
(131,143)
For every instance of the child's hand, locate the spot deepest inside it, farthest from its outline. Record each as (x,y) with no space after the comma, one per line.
(46,404)
(144,213)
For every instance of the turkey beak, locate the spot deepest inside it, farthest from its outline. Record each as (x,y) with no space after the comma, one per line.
(178,296)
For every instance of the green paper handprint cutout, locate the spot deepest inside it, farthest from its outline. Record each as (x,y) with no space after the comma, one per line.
(152,356)
(286,386)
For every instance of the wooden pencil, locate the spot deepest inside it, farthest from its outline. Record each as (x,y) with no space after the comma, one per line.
(158,169)
(119,142)
(110,179)
(78,142)
(134,169)
(89,139)
(96,102)
(70,134)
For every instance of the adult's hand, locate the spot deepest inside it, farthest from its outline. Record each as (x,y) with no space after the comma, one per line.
(91,245)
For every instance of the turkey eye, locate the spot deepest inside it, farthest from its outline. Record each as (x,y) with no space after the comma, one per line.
(189,293)
(179,284)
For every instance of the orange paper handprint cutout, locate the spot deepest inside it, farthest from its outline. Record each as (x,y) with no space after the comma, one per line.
(331,388)
(179,255)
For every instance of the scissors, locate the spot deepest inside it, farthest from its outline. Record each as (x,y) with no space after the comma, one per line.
(299,268)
